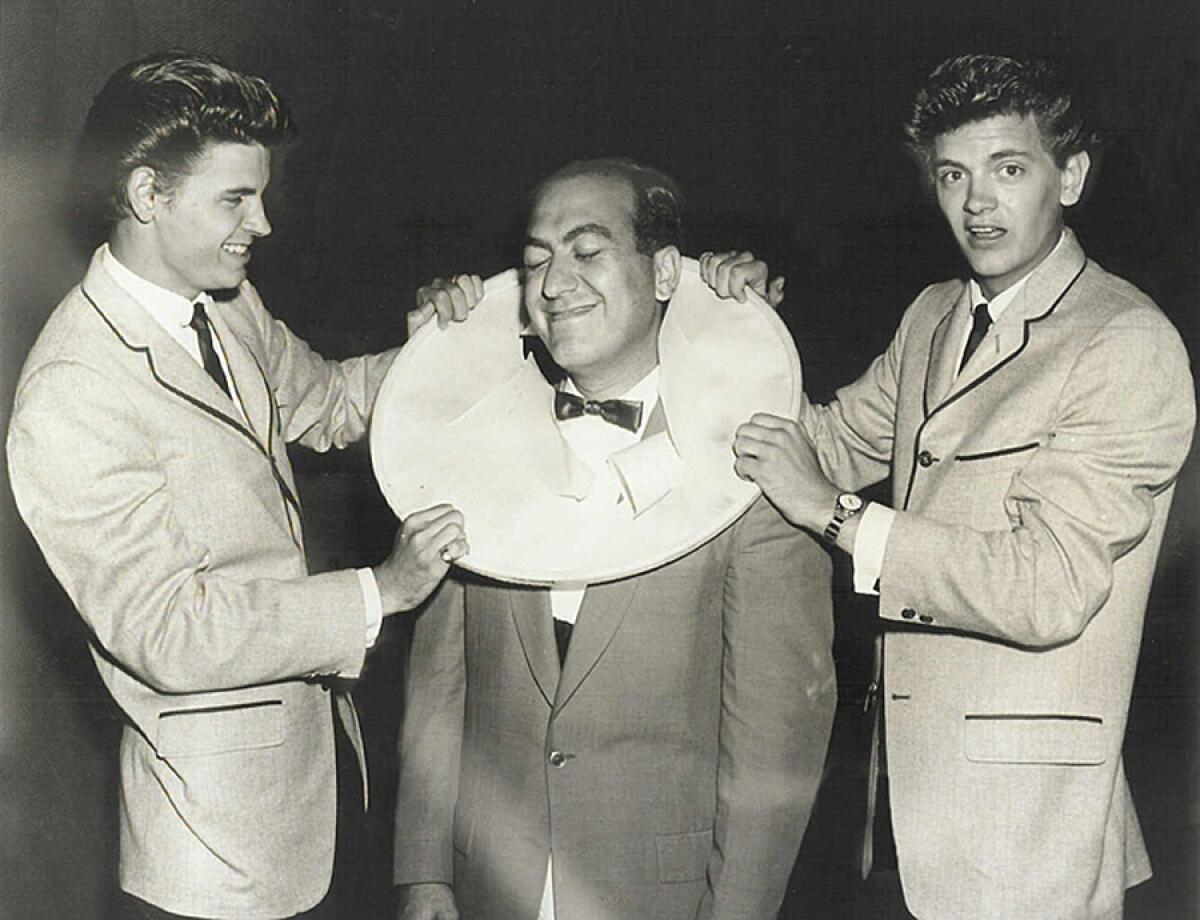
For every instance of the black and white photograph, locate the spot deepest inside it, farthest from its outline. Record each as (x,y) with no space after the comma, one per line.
(524,460)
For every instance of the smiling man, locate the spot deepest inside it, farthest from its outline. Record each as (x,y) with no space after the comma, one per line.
(1033,419)
(649,746)
(147,452)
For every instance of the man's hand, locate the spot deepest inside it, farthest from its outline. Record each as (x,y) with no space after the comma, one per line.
(427,901)
(730,273)
(450,301)
(775,454)
(426,543)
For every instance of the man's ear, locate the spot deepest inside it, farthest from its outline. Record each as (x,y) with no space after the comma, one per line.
(668,266)
(1074,177)
(144,193)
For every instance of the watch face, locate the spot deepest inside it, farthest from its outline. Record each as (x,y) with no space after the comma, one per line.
(850,501)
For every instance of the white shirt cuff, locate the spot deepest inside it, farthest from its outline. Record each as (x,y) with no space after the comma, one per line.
(869,544)
(372,602)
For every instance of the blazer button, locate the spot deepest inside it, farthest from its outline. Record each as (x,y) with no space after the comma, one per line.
(557,759)
(925,458)
(925,618)
(908,613)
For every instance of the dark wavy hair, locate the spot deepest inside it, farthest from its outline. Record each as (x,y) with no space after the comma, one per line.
(162,112)
(658,204)
(973,87)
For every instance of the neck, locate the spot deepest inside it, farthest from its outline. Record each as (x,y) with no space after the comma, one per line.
(615,381)
(992,288)
(137,255)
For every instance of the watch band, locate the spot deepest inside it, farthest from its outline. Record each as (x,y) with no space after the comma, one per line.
(845,507)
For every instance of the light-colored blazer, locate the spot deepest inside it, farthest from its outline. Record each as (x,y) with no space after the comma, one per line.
(671,764)
(173,524)
(1031,491)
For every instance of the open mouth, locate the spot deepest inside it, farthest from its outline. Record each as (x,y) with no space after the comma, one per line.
(239,250)
(984,233)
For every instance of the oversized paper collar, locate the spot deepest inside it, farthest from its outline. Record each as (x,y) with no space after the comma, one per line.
(465,417)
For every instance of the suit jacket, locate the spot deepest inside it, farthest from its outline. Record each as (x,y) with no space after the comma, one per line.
(1031,493)
(671,764)
(174,527)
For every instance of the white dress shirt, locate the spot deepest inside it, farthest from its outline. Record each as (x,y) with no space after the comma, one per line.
(173,313)
(876,524)
(594,440)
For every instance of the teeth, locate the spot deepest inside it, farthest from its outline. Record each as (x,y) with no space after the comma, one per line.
(238,249)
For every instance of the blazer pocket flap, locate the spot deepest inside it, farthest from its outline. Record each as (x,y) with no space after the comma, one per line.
(220,729)
(1034,739)
(683,857)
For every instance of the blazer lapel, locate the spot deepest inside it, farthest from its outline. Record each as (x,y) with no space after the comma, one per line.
(604,607)
(531,615)
(943,353)
(172,367)
(1046,287)
(248,376)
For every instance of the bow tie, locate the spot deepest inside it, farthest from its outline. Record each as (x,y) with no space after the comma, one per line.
(625,413)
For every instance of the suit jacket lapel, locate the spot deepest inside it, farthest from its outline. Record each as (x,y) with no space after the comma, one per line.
(530,609)
(604,607)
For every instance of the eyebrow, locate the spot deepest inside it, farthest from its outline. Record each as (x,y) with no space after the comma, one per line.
(242,190)
(573,234)
(998,155)
(1011,152)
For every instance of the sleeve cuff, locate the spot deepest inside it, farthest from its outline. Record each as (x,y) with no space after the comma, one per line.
(372,603)
(869,543)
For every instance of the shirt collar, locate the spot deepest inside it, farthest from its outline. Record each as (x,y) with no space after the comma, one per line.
(1001,302)
(165,306)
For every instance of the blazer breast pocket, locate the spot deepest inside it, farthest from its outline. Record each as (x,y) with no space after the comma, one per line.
(996,459)
(1069,740)
(219,729)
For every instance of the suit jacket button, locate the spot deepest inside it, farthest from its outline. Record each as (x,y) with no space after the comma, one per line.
(925,458)
(908,613)
(557,758)
(925,618)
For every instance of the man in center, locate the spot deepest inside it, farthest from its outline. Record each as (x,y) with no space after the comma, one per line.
(647,747)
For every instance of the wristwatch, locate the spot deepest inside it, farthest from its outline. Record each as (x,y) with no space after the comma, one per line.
(847,505)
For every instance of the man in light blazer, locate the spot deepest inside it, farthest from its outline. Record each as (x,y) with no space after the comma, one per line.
(646,747)
(147,455)
(1034,418)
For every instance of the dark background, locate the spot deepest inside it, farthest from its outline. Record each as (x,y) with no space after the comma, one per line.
(423,124)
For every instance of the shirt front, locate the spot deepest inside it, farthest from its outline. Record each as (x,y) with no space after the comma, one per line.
(594,440)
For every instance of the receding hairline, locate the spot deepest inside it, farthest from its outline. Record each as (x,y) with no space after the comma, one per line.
(544,188)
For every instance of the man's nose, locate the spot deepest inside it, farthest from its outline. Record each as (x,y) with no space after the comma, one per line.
(981,196)
(558,280)
(256,219)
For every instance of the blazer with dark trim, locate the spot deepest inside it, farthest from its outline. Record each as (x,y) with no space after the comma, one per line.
(173,523)
(1032,490)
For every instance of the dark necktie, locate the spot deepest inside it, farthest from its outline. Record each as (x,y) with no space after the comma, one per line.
(980,323)
(625,413)
(212,363)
